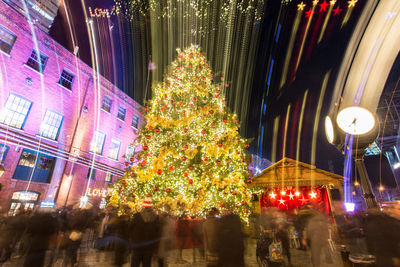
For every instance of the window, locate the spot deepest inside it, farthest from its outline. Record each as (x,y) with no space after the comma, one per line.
(91,174)
(3,152)
(107,101)
(15,111)
(7,40)
(42,168)
(108,177)
(121,113)
(135,121)
(37,62)
(114,148)
(50,125)
(97,143)
(130,151)
(66,79)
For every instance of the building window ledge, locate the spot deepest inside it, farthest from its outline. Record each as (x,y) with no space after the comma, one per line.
(115,160)
(27,181)
(108,112)
(47,139)
(32,69)
(65,88)
(13,128)
(96,154)
(120,120)
(4,53)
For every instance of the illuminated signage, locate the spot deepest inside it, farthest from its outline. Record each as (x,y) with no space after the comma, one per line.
(95,192)
(25,196)
(99,12)
(47,204)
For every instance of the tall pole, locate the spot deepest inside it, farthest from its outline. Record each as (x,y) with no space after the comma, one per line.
(369,196)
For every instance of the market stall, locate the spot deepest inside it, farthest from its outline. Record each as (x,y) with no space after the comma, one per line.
(290,184)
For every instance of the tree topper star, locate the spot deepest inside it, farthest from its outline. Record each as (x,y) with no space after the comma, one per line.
(309,13)
(352,3)
(323,6)
(301,6)
(337,11)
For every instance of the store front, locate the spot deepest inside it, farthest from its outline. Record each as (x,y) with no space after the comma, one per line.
(25,199)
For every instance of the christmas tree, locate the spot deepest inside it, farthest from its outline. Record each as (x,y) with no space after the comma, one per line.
(191,157)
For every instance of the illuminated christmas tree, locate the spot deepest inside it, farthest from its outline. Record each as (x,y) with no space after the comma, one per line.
(191,156)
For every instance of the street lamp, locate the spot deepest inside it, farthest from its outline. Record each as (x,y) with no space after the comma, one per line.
(359,122)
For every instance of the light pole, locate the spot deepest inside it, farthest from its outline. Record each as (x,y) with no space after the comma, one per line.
(359,122)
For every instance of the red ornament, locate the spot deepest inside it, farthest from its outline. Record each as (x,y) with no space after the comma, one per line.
(123,182)
(246,145)
(246,210)
(213,124)
(216,96)
(159,171)
(157,130)
(185,130)
(191,168)
(184,111)
(218,91)
(131,159)
(203,131)
(220,144)
(191,55)
(206,159)
(132,175)
(194,98)
(190,181)
(146,108)
(171,168)
(133,195)
(162,109)
(237,152)
(234,192)
(235,121)
(155,189)
(211,111)
(226,85)
(150,128)
(148,136)
(168,190)
(148,195)
(218,163)
(145,147)
(191,105)
(225,121)
(180,103)
(183,158)
(126,163)
(185,146)
(222,78)
(221,203)
(242,202)
(248,181)
(185,174)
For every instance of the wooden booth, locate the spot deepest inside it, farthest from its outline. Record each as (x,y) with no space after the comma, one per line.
(289,184)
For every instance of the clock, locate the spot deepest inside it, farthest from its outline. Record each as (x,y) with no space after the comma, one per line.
(355,121)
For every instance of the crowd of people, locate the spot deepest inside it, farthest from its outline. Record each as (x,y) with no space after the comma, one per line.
(147,238)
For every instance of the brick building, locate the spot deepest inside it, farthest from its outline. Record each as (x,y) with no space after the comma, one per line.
(65,131)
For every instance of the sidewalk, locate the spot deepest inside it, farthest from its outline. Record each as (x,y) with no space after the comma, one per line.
(92,257)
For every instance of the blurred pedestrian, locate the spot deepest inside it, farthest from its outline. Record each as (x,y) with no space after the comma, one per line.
(316,237)
(230,239)
(118,228)
(283,236)
(167,224)
(39,229)
(6,238)
(210,237)
(145,234)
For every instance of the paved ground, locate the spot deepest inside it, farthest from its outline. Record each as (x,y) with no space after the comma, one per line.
(91,257)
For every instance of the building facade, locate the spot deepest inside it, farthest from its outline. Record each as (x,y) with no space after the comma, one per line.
(65,131)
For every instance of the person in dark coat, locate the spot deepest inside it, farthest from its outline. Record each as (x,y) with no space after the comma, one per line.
(118,229)
(210,237)
(230,238)
(39,229)
(145,234)
(283,236)
(383,238)
(6,238)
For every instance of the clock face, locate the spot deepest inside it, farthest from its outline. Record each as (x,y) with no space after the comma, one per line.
(355,120)
(330,134)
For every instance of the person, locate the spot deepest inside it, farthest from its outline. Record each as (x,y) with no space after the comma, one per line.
(230,238)
(210,237)
(118,227)
(316,236)
(196,230)
(145,234)
(283,236)
(167,237)
(39,229)
(383,237)
(5,238)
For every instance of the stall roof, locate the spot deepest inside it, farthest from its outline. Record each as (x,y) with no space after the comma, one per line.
(290,172)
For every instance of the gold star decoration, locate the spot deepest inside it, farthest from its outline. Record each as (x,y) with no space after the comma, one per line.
(301,6)
(315,2)
(352,3)
(332,2)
